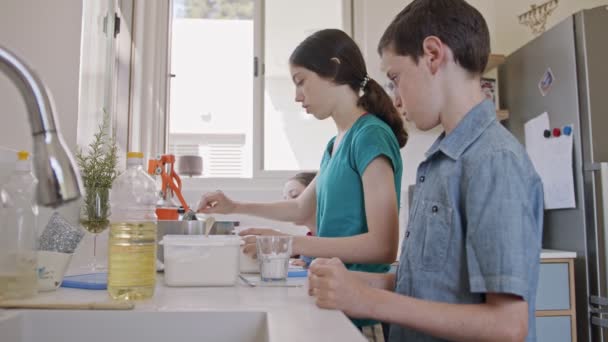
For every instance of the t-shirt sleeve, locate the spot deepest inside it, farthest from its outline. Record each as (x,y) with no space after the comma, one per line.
(373,142)
(504,208)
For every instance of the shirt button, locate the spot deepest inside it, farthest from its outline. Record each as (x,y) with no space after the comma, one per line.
(421,179)
(435,209)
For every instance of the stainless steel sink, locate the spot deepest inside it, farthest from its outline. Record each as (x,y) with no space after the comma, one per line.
(118,326)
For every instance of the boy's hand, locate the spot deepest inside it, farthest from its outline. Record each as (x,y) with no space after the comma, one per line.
(336,288)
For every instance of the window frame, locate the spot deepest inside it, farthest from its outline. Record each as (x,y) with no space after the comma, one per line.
(261,178)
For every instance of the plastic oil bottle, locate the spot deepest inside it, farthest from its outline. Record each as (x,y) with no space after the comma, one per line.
(18,213)
(132,240)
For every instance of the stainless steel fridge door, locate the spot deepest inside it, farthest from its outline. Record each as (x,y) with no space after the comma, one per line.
(519,80)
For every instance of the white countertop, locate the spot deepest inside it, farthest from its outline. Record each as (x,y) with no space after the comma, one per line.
(555,254)
(292,314)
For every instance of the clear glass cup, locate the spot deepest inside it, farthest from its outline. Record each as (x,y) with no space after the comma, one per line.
(94,218)
(273,256)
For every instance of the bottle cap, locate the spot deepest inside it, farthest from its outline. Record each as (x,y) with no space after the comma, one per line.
(135,158)
(23,162)
(135,155)
(23,155)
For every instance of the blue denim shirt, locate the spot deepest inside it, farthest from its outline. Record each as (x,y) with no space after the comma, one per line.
(475,223)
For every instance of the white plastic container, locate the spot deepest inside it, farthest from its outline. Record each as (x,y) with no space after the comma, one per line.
(197,260)
(51,269)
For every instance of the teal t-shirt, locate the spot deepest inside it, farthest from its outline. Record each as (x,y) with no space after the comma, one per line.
(340,198)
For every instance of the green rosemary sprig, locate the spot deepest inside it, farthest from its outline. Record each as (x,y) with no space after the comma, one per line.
(98,169)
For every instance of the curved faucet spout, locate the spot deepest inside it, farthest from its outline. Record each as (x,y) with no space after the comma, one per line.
(58,179)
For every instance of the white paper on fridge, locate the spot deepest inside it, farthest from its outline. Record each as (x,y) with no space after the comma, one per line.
(552,159)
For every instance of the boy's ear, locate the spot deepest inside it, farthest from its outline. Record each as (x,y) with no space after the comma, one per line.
(434,53)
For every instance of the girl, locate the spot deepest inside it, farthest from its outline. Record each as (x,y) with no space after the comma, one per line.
(355,195)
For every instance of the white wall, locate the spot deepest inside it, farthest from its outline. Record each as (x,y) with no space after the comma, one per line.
(46,34)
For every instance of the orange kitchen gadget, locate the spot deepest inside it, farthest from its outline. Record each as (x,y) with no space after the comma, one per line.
(171,184)
(167,214)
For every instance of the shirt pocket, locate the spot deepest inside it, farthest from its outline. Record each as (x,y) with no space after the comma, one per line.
(434,235)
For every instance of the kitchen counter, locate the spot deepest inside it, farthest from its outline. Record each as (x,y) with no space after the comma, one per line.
(555,254)
(291,314)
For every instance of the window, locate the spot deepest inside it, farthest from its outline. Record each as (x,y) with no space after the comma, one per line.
(211,95)
(245,124)
(97,68)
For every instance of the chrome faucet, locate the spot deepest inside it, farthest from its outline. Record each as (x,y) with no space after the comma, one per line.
(58,180)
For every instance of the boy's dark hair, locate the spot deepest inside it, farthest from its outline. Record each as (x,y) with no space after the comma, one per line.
(458,24)
(333,55)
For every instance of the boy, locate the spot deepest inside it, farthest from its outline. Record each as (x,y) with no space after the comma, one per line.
(468,270)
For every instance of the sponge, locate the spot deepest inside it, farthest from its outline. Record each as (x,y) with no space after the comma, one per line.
(60,236)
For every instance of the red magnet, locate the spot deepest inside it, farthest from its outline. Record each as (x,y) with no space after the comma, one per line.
(557,132)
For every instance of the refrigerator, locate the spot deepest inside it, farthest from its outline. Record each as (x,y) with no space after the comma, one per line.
(576,53)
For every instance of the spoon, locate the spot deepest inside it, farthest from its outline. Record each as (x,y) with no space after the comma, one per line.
(209,221)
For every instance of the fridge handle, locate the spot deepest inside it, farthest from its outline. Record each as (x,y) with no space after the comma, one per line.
(604,184)
(601,322)
(597,300)
(598,303)
(604,208)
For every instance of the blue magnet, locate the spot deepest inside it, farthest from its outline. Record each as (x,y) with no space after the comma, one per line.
(567,130)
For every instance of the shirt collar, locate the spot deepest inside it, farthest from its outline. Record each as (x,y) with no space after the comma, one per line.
(474,123)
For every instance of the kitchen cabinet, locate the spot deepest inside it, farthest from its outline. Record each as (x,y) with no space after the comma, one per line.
(555,298)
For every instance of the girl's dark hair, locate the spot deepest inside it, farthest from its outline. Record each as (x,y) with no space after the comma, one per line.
(333,55)
(304,178)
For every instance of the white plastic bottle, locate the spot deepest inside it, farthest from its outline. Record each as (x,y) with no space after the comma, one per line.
(132,241)
(18,232)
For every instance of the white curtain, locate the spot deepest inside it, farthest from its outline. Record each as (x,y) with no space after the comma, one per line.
(149,77)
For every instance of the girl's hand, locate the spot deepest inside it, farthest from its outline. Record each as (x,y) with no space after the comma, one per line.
(216,203)
(250,238)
